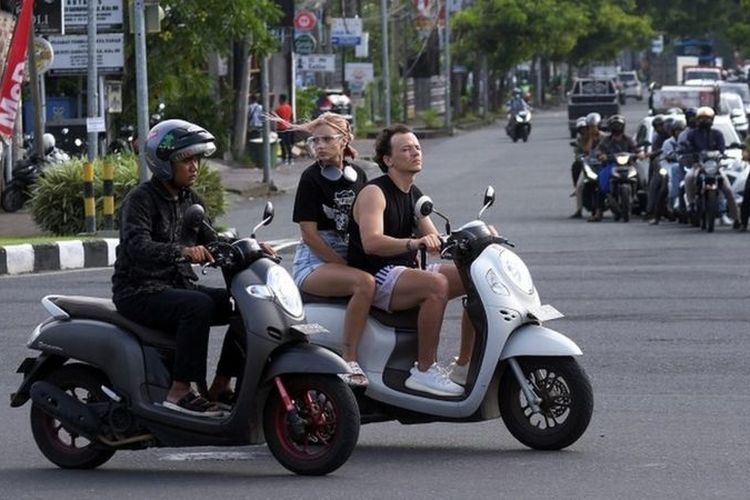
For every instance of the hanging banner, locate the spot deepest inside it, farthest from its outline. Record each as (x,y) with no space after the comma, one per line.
(10,91)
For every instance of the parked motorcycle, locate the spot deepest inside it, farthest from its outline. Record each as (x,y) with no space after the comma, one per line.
(520,370)
(26,172)
(98,383)
(519,126)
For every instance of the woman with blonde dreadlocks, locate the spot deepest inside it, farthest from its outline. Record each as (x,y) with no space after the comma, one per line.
(322,208)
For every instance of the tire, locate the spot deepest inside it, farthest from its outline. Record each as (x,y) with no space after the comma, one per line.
(711,210)
(322,448)
(62,447)
(625,202)
(567,402)
(13,198)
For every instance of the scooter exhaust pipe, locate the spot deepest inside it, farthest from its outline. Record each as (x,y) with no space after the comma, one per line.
(74,415)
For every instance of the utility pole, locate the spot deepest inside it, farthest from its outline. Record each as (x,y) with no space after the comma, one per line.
(386,63)
(264,86)
(141,84)
(92,85)
(36,98)
(447,35)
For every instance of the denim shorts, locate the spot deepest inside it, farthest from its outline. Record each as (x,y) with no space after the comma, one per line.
(306,261)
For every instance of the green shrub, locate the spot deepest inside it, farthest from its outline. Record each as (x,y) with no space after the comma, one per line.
(57,198)
(431,118)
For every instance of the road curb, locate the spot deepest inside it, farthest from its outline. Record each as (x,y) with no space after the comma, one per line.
(29,258)
(57,256)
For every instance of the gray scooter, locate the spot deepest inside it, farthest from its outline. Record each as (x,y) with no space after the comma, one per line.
(97,384)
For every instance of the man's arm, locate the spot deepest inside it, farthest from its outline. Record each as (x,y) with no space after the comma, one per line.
(368,213)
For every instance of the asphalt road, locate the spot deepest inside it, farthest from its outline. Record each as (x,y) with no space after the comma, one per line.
(661,314)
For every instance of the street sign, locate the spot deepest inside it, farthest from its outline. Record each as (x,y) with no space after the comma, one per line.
(325,63)
(72,53)
(95,124)
(305,21)
(346,31)
(304,44)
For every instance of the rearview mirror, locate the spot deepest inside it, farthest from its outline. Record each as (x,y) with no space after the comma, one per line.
(424,206)
(193,217)
(489,196)
(268,213)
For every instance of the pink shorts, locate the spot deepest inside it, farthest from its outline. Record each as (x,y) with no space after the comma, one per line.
(385,282)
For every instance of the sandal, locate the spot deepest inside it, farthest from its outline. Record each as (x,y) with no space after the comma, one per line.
(195,405)
(226,400)
(357,377)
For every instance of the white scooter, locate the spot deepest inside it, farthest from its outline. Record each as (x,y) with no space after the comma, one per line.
(520,370)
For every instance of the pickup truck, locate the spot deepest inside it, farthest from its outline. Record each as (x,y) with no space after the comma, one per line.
(589,95)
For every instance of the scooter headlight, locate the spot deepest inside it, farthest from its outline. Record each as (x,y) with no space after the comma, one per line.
(279,285)
(516,271)
(493,280)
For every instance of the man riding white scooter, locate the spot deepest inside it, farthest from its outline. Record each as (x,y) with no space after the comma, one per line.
(515,105)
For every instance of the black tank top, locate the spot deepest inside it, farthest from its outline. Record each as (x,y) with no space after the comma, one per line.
(398,222)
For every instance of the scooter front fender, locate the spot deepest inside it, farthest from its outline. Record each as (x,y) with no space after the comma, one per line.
(304,358)
(536,340)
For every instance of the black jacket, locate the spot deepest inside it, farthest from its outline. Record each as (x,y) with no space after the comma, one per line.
(152,239)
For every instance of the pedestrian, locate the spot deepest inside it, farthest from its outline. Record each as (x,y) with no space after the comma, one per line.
(283,127)
(254,118)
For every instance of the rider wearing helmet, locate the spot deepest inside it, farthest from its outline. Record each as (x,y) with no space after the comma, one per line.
(616,142)
(153,282)
(516,104)
(705,138)
(660,135)
(587,141)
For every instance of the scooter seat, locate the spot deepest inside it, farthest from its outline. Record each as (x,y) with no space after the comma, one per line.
(402,320)
(104,310)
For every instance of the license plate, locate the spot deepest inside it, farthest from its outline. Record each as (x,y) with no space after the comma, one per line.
(546,312)
(310,328)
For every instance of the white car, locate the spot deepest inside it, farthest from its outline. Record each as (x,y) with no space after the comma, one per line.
(731,105)
(631,85)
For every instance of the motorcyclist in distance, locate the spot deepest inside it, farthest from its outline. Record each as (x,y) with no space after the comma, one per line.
(516,104)
(706,138)
(587,142)
(616,142)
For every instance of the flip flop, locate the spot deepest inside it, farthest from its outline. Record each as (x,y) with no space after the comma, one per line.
(195,405)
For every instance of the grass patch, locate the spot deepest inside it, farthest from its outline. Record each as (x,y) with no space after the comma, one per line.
(19,240)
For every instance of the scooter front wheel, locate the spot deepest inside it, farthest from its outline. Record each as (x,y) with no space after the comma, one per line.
(565,408)
(64,448)
(318,435)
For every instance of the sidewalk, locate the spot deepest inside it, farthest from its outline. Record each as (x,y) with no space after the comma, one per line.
(99,252)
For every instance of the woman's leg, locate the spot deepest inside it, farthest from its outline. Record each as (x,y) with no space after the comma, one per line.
(338,280)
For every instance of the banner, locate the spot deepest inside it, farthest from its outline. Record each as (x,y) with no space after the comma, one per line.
(10,92)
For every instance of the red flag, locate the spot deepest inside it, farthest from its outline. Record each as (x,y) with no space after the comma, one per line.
(10,92)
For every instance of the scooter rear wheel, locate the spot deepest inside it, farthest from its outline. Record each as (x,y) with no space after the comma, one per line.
(62,447)
(318,436)
(567,402)
(13,198)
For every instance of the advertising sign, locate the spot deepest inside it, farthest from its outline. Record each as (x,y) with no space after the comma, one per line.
(72,53)
(109,15)
(358,75)
(10,91)
(325,63)
(48,17)
(346,31)
(304,44)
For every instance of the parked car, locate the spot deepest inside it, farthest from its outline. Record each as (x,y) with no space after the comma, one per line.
(591,94)
(632,86)
(731,105)
(741,89)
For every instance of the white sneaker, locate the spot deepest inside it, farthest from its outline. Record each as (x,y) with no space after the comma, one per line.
(725,220)
(458,373)
(433,381)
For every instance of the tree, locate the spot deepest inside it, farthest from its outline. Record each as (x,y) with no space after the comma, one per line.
(178,59)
